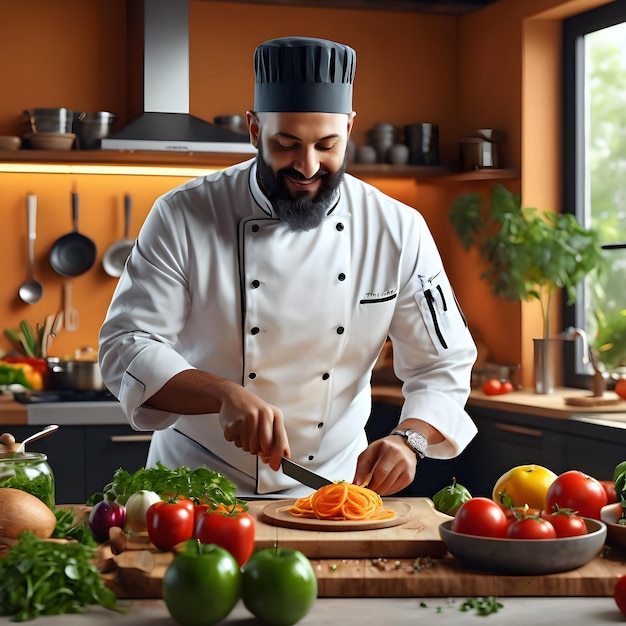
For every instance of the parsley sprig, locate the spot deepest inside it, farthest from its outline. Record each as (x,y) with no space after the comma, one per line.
(200,484)
(47,578)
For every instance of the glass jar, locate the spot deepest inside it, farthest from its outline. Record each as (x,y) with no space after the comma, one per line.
(28,472)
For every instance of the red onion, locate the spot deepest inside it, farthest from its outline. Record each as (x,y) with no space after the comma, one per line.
(105,515)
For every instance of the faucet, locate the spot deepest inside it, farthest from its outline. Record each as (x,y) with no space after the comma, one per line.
(600,374)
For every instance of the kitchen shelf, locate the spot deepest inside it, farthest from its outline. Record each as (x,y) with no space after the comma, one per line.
(219,159)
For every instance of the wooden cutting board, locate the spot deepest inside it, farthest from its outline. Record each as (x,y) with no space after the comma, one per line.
(418,535)
(407,560)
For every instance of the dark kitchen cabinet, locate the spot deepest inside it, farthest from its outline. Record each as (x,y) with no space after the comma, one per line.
(507,439)
(84,458)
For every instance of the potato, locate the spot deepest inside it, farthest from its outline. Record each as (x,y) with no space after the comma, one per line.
(20,511)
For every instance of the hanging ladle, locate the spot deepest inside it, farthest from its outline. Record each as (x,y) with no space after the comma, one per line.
(32,290)
(42,433)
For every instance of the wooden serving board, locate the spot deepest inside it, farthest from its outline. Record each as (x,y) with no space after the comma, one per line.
(408,560)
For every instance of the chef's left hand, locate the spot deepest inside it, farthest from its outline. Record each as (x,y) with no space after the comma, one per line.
(390,464)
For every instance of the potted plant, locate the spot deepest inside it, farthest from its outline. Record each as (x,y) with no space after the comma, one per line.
(531,254)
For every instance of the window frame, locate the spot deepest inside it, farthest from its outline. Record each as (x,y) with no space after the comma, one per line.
(573,145)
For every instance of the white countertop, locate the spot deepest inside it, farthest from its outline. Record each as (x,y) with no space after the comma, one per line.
(376,611)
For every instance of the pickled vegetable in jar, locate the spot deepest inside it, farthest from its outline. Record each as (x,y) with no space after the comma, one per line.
(29,472)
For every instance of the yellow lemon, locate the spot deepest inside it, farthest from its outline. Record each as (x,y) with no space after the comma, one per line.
(523,485)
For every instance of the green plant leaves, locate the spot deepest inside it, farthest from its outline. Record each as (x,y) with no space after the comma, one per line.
(531,253)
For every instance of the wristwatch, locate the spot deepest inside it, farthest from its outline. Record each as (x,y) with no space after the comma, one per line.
(415,440)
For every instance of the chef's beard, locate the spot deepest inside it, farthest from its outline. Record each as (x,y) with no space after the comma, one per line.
(301,212)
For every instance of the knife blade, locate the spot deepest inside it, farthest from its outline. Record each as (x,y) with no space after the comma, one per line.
(303,475)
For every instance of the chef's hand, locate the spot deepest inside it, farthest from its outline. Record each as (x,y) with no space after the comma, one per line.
(386,466)
(254,425)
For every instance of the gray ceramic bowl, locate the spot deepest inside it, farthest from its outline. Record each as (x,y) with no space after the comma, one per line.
(531,557)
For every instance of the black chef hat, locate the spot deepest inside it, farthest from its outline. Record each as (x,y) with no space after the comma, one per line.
(303,74)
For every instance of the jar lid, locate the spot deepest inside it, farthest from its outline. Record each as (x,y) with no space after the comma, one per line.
(13,457)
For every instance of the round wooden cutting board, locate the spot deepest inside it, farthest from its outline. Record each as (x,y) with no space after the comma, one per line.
(277,514)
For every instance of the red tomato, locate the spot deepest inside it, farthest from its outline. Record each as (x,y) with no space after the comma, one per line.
(507,387)
(495,387)
(530,527)
(170,522)
(231,530)
(482,517)
(609,487)
(566,523)
(620,594)
(577,491)
(492,387)
(620,388)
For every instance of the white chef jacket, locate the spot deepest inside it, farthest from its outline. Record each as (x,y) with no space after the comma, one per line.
(217,282)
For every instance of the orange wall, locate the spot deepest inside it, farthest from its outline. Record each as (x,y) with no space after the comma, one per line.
(462,73)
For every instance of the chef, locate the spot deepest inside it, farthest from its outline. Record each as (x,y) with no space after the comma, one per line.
(257,300)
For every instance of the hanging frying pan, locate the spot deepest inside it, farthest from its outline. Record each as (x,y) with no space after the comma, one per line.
(116,254)
(73,254)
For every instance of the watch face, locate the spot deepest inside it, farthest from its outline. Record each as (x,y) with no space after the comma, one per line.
(413,439)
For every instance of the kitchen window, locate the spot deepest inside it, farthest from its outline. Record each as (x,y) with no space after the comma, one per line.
(594,144)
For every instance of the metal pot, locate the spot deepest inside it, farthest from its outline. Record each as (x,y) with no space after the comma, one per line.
(75,375)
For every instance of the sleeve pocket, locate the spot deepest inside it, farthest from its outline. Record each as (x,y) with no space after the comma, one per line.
(441,315)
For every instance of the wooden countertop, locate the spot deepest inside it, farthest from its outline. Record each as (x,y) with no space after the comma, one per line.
(524,401)
(12,413)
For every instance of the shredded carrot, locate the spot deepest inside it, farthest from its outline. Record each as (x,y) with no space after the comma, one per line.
(342,501)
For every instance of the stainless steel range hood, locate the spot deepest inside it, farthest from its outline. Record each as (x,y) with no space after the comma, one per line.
(166,123)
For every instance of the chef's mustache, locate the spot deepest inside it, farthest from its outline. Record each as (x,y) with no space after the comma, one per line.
(296,175)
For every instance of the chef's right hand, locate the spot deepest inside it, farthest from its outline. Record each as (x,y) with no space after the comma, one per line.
(254,425)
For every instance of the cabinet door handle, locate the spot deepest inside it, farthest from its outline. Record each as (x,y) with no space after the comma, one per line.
(519,430)
(130,438)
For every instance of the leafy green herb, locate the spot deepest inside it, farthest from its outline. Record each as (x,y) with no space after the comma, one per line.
(48,578)
(67,528)
(200,484)
(483,606)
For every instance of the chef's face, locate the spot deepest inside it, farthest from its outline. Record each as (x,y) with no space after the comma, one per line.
(301,161)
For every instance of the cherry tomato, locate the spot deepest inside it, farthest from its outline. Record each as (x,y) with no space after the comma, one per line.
(620,388)
(566,523)
(530,527)
(231,529)
(611,493)
(482,517)
(620,594)
(577,491)
(170,522)
(496,387)
(492,387)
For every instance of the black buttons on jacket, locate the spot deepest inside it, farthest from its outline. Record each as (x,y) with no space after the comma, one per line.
(340,227)
(340,330)
(255,228)
(255,330)
(251,375)
(325,376)
(341,276)
(255,284)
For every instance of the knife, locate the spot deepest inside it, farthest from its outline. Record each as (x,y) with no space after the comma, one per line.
(303,475)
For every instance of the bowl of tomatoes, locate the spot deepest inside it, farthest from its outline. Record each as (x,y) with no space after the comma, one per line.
(483,537)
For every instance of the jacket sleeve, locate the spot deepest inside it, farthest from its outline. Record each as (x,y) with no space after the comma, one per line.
(433,351)
(137,341)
